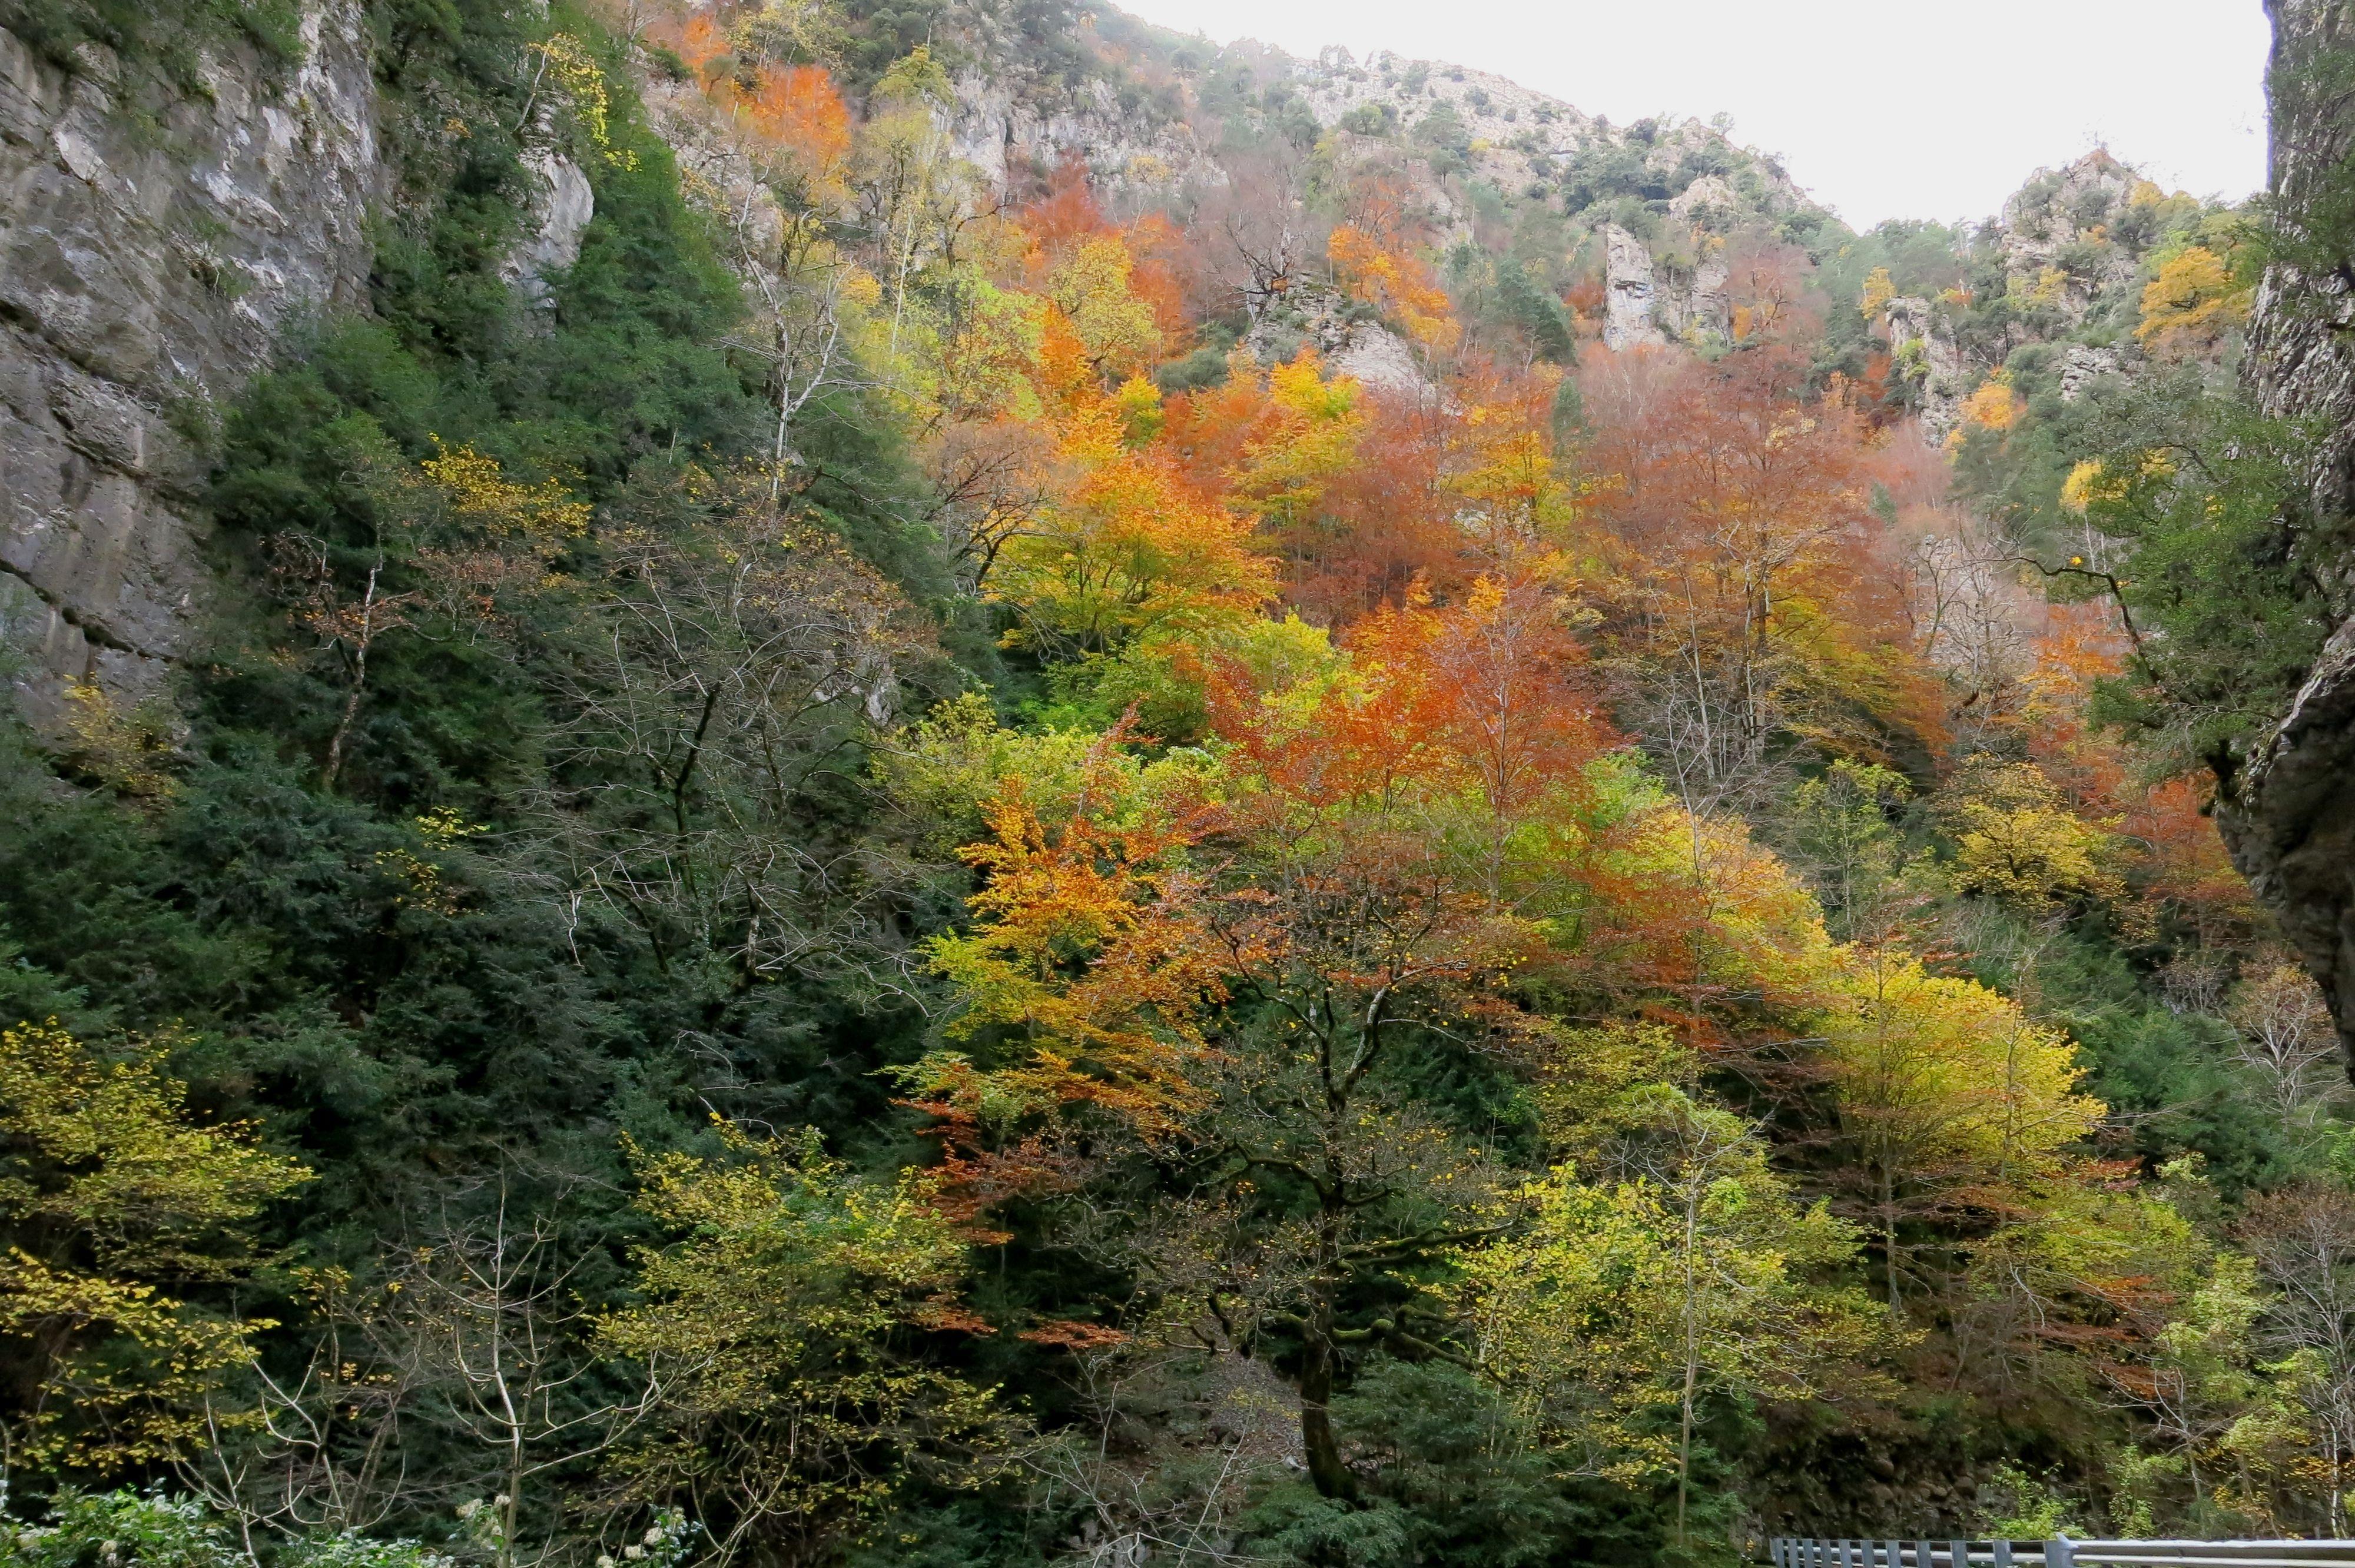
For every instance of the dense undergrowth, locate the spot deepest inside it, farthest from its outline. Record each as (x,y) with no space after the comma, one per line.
(881,882)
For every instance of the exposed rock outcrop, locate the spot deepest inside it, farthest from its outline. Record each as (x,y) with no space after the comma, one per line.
(2287,809)
(1924,349)
(561,206)
(2056,210)
(1630,288)
(153,245)
(1646,302)
(999,129)
(1351,345)
(1696,305)
(2082,363)
(1513,136)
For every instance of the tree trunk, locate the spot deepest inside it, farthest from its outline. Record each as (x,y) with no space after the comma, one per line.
(1888,1233)
(359,680)
(1322,1449)
(1692,1357)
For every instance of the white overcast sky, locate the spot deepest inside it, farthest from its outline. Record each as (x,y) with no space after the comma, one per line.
(1882,107)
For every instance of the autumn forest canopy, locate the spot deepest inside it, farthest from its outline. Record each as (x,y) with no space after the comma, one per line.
(1105,801)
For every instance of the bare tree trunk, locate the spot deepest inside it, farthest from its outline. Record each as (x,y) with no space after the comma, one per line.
(1692,1356)
(359,678)
(1888,1231)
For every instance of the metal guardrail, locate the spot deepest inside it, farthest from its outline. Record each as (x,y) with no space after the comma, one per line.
(1791,1551)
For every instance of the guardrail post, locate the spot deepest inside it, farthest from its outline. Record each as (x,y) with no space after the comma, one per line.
(2059,1551)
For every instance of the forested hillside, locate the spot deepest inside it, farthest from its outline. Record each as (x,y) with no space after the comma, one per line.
(944,782)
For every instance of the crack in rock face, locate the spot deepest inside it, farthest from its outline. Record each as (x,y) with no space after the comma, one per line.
(563,204)
(2288,809)
(146,269)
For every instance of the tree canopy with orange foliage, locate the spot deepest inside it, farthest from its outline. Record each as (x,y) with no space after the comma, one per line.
(1106,798)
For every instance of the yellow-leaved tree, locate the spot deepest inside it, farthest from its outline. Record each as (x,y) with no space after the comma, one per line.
(1308,436)
(1954,1104)
(1878,290)
(782,1332)
(1683,1268)
(118,1205)
(2192,303)
(2017,841)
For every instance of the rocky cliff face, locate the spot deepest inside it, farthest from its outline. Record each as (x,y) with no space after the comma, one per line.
(1647,301)
(1512,136)
(998,128)
(2055,260)
(1520,141)
(1313,315)
(2288,810)
(153,243)
(2057,210)
(1925,350)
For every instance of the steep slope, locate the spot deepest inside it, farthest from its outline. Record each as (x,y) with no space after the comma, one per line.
(157,231)
(819,718)
(1158,119)
(2288,809)
(167,212)
(161,230)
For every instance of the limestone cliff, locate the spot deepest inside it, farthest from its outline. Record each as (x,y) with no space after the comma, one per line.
(1692,186)
(999,128)
(1314,315)
(2064,264)
(1648,301)
(2287,810)
(1514,137)
(1925,351)
(2051,232)
(154,239)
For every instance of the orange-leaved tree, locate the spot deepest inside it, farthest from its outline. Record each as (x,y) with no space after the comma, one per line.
(1084,980)
(1122,548)
(1748,601)
(1394,279)
(1248,991)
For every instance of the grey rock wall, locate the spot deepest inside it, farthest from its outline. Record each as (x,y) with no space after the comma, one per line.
(2287,809)
(1646,302)
(561,204)
(1315,316)
(999,127)
(153,243)
(1924,344)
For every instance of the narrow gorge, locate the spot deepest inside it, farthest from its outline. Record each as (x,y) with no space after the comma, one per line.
(951,782)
